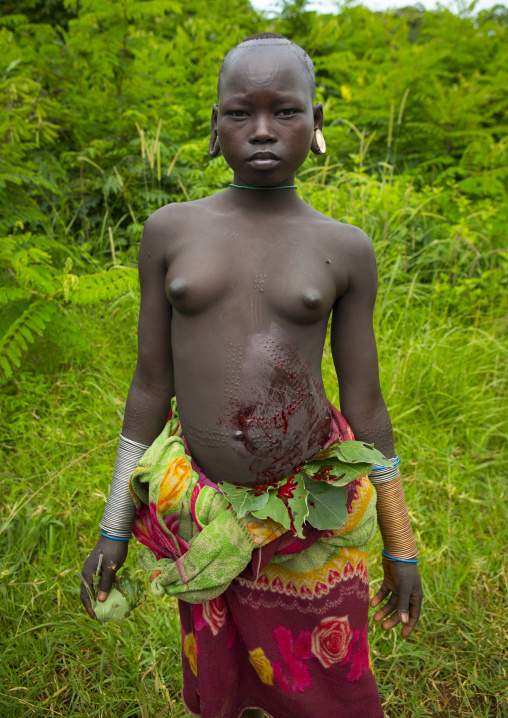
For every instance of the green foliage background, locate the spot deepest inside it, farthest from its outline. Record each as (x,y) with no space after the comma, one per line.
(104,113)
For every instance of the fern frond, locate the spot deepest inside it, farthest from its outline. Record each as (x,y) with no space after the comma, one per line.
(13,294)
(33,320)
(103,286)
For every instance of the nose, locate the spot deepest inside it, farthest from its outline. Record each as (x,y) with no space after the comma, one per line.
(262,129)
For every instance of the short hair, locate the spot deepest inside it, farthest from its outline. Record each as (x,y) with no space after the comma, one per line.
(299,51)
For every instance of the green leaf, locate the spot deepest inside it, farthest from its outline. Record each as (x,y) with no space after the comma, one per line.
(298,505)
(131,588)
(274,509)
(359,452)
(340,472)
(327,504)
(242,499)
(330,450)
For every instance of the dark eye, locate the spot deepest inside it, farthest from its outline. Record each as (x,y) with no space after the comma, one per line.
(237,113)
(288,112)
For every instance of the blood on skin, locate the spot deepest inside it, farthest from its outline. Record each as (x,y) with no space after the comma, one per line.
(279,405)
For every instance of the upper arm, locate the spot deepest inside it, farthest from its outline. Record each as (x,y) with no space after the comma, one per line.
(353,343)
(154,368)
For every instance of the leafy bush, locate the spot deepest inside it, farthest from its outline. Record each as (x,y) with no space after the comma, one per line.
(104,112)
(38,290)
(105,115)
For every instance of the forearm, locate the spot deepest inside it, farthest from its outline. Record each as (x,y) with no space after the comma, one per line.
(392,514)
(146,412)
(370,424)
(393,520)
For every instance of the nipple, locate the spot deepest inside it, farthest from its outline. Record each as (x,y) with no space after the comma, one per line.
(312,299)
(178,287)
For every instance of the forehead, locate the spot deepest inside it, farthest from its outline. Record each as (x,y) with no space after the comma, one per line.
(265,65)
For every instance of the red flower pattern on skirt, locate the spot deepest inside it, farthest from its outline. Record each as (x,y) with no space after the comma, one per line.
(294,675)
(149,532)
(360,660)
(331,640)
(214,613)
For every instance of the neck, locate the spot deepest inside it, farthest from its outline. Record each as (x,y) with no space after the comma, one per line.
(268,197)
(263,189)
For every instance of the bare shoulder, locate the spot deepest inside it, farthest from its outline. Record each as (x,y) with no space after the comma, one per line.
(348,246)
(167,220)
(175,212)
(341,236)
(165,227)
(358,251)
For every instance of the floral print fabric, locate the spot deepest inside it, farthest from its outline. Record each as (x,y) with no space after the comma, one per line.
(260,647)
(287,631)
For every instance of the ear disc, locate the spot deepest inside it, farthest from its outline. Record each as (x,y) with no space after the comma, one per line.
(320,142)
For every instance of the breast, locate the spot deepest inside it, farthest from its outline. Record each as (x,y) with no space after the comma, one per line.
(301,305)
(195,283)
(177,289)
(312,298)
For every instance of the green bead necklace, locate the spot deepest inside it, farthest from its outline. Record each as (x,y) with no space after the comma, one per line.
(242,186)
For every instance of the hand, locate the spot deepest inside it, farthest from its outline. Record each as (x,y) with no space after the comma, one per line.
(114,554)
(402,581)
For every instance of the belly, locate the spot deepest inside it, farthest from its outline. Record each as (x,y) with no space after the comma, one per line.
(273,416)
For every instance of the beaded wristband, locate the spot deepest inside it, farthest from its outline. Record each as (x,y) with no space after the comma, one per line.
(383,474)
(115,538)
(402,560)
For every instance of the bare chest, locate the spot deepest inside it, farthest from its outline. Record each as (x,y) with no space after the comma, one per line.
(288,276)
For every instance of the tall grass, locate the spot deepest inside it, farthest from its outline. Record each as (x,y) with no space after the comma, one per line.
(442,345)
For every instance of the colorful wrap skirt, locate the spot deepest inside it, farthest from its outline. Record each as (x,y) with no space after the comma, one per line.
(268,620)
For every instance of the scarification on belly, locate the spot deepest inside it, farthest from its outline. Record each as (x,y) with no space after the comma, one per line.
(212,438)
(279,412)
(234,366)
(274,414)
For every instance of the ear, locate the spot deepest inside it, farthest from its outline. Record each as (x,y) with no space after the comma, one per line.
(316,148)
(214,148)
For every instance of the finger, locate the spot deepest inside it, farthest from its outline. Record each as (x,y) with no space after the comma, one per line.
(415,604)
(380,595)
(391,621)
(414,615)
(85,600)
(403,606)
(408,628)
(389,608)
(108,575)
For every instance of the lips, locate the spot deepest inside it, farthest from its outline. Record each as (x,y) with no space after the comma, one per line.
(262,156)
(263,161)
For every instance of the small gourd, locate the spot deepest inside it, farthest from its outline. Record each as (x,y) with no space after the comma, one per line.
(125,594)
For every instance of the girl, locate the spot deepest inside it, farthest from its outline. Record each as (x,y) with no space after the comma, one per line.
(236,293)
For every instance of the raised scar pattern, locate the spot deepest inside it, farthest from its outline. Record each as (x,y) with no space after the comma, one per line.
(213,438)
(280,419)
(259,283)
(234,365)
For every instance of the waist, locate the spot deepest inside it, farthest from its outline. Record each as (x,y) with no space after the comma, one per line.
(337,428)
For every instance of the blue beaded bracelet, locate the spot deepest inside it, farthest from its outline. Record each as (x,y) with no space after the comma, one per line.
(395,462)
(403,560)
(115,538)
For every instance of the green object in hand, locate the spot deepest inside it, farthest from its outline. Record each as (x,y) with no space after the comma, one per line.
(124,595)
